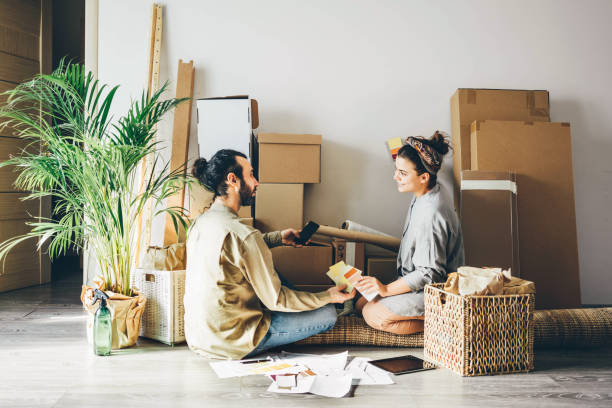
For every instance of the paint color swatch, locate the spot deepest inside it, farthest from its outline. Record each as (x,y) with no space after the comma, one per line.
(343,274)
(394,145)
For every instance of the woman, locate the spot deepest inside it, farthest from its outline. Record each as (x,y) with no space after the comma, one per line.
(431,246)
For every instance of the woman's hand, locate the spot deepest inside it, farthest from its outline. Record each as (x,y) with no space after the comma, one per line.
(338,296)
(289,236)
(370,284)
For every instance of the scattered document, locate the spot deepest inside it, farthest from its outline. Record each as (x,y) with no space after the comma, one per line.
(335,385)
(365,373)
(327,375)
(241,368)
(343,274)
(301,384)
(319,363)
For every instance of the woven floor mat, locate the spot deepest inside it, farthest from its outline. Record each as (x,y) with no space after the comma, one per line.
(568,328)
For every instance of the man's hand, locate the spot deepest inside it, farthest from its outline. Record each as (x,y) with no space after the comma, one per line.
(289,236)
(338,296)
(370,284)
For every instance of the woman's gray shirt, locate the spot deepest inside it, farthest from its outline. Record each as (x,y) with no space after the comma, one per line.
(431,247)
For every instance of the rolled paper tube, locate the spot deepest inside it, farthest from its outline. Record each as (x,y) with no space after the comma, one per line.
(383,241)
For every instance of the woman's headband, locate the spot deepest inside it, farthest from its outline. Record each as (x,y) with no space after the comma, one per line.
(432,160)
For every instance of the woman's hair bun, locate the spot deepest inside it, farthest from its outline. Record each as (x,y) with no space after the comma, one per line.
(439,141)
(199,169)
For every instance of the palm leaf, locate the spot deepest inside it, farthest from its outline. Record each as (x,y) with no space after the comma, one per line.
(88,163)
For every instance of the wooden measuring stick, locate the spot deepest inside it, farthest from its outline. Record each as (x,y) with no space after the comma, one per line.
(180,140)
(144,238)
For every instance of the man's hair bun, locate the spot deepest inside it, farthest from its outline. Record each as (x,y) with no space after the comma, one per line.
(199,169)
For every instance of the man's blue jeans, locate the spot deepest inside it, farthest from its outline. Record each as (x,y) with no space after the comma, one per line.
(289,327)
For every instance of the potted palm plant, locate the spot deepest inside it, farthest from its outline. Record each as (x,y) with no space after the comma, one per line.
(88,163)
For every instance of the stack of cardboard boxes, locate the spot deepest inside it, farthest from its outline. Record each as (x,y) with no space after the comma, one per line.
(514,187)
(285,162)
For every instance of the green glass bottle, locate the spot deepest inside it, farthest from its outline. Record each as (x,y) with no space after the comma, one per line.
(102,326)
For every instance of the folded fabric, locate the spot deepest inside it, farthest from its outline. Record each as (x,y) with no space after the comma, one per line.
(471,281)
(170,258)
(518,286)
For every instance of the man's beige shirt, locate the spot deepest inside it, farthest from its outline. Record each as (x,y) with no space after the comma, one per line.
(231,286)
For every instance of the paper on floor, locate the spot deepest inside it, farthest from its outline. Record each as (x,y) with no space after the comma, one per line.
(241,368)
(365,373)
(285,363)
(336,384)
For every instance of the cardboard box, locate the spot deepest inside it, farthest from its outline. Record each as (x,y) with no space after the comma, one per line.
(489,219)
(352,253)
(384,269)
(279,206)
(307,265)
(200,200)
(226,123)
(541,155)
(288,158)
(468,105)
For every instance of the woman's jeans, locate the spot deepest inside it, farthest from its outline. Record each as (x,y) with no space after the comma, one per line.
(289,327)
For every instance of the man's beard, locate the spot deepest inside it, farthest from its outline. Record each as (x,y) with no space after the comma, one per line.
(246,195)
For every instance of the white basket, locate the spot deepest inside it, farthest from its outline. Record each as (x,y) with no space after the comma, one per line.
(164,315)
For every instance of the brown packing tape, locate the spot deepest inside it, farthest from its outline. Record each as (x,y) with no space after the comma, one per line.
(254,114)
(471,96)
(538,112)
(565,124)
(530,99)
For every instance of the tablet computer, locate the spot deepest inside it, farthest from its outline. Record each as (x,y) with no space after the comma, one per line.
(401,365)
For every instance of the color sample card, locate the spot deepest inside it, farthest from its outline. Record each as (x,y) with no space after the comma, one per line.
(394,145)
(348,275)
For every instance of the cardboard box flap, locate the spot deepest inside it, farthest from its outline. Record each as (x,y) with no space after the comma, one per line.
(284,138)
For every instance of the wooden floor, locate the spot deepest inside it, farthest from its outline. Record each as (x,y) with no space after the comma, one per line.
(45,361)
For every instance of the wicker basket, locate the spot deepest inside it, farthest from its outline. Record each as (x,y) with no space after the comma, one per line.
(479,335)
(163,318)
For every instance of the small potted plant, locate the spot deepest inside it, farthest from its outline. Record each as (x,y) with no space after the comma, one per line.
(89,164)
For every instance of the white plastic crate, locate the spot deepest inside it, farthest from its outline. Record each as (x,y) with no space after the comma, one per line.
(164,315)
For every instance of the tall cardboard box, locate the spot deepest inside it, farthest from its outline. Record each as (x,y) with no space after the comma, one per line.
(468,105)
(305,266)
(541,155)
(489,219)
(288,158)
(200,200)
(382,268)
(226,123)
(279,206)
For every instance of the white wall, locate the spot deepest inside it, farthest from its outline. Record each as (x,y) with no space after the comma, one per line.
(362,71)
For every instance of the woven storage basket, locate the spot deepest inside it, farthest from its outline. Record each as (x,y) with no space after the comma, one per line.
(479,335)
(163,317)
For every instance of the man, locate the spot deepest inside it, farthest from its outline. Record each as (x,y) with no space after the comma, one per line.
(235,302)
